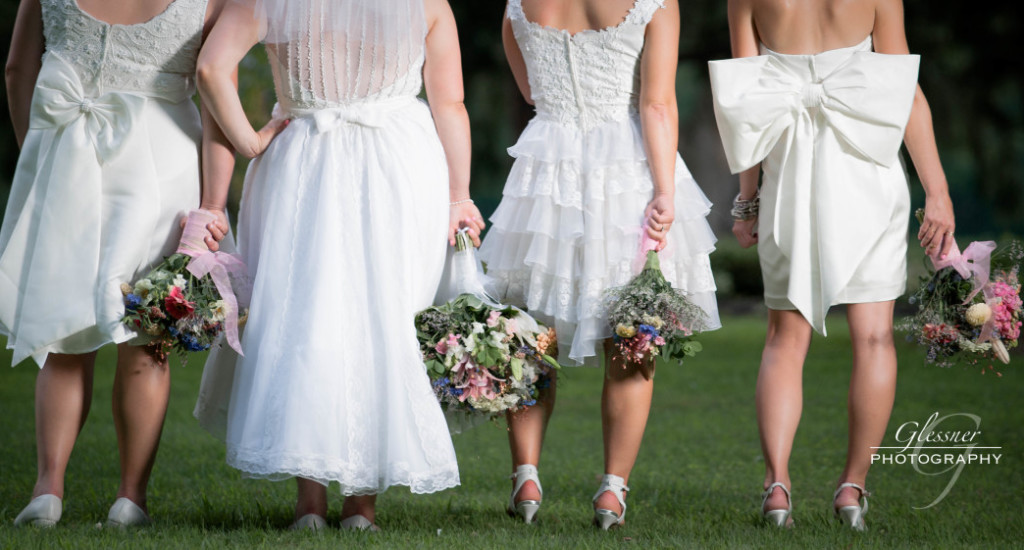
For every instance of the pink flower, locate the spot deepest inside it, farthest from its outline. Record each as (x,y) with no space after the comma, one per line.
(492,319)
(474,380)
(176,304)
(659,341)
(441,347)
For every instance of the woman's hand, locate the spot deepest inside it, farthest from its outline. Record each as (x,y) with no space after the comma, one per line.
(660,213)
(745,231)
(267,133)
(936,233)
(217,229)
(465,215)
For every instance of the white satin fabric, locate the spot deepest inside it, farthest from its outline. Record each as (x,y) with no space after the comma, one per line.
(834,197)
(101,180)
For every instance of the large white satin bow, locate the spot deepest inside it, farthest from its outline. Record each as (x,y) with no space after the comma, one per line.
(827,123)
(60,100)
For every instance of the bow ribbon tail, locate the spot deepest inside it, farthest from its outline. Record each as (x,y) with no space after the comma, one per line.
(219,266)
(976,261)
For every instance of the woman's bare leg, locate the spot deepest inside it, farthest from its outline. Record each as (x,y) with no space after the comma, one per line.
(142,386)
(625,406)
(63,398)
(872,390)
(526,429)
(780,396)
(312,498)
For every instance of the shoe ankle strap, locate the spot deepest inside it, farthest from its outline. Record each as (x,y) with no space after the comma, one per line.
(864,494)
(768,493)
(524,473)
(613,483)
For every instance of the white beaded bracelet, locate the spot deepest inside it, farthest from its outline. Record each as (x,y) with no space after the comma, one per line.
(463,201)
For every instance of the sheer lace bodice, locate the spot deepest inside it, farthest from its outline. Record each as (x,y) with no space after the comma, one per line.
(155,58)
(328,54)
(587,78)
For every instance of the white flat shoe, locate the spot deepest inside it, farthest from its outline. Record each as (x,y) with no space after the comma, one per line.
(780,517)
(42,511)
(311,522)
(606,519)
(526,509)
(360,523)
(852,515)
(125,513)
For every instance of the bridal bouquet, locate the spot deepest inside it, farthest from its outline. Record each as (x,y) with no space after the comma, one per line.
(651,319)
(187,301)
(483,358)
(969,305)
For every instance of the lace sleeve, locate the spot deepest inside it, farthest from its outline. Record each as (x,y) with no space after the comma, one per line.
(643,11)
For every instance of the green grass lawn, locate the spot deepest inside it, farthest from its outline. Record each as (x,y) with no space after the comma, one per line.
(696,483)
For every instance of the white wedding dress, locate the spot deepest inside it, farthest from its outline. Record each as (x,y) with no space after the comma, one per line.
(109,163)
(834,198)
(569,223)
(343,227)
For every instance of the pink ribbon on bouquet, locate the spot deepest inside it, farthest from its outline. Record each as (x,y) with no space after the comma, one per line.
(646,245)
(975,260)
(219,265)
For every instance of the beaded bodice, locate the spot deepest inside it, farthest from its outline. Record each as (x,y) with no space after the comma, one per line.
(156,58)
(587,78)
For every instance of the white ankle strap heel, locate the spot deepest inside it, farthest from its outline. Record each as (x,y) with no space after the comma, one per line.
(526,509)
(606,519)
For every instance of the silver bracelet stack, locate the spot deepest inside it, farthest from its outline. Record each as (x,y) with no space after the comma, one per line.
(745,209)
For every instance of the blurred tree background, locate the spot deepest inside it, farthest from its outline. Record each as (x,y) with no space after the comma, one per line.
(968,72)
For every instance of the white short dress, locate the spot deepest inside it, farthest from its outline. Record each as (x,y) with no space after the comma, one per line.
(343,226)
(568,226)
(110,162)
(835,204)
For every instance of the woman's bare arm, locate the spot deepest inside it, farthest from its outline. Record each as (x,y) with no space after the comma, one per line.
(515,58)
(939,222)
(442,78)
(23,64)
(745,43)
(218,157)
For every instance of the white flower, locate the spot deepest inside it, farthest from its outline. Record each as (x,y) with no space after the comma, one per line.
(179,282)
(219,310)
(143,287)
(978,314)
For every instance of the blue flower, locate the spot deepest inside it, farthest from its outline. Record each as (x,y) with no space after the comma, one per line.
(456,392)
(530,403)
(132,302)
(648,330)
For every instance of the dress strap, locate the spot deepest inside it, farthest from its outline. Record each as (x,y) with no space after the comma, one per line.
(515,10)
(643,11)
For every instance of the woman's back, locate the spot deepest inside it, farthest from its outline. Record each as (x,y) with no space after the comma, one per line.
(811,26)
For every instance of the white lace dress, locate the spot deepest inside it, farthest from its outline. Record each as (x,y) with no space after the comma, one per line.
(569,224)
(110,161)
(343,227)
